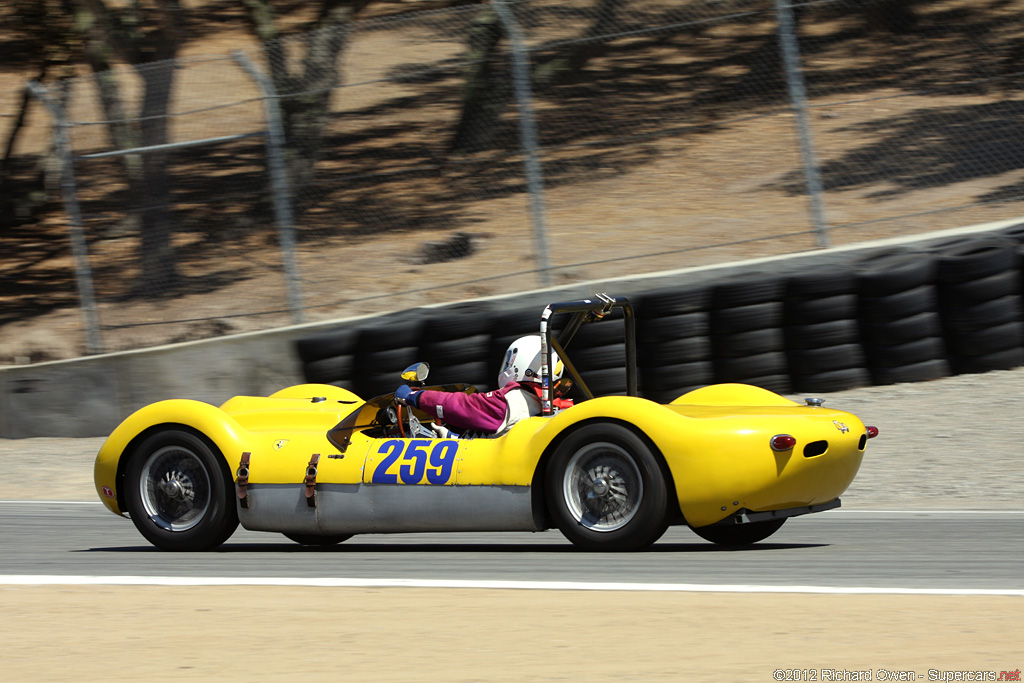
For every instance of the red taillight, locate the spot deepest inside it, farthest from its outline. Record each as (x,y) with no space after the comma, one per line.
(872,432)
(782,442)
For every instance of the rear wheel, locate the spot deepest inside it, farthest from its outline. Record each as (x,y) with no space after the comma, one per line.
(313,539)
(179,493)
(606,490)
(739,534)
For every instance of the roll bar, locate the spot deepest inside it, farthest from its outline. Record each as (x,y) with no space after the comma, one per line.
(584,312)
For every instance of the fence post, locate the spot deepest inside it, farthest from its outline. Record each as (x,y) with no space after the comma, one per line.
(280,186)
(528,134)
(798,97)
(69,195)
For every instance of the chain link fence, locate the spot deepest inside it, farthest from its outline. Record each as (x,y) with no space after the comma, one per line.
(503,146)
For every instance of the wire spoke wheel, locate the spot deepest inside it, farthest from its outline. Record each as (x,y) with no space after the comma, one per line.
(175,488)
(178,491)
(602,487)
(606,489)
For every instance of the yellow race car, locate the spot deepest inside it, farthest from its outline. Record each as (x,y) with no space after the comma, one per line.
(318,464)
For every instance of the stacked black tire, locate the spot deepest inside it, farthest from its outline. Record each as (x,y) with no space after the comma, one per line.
(598,351)
(899,319)
(746,325)
(456,342)
(978,286)
(329,357)
(822,335)
(674,344)
(384,349)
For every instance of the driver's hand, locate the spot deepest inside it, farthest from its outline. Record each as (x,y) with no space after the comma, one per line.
(407,397)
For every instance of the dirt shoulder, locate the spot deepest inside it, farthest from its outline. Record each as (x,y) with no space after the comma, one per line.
(284,634)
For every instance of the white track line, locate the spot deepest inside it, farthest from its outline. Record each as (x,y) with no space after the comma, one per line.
(180,581)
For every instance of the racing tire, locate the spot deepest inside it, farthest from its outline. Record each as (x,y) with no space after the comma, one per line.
(739,534)
(750,289)
(833,380)
(605,489)
(890,272)
(316,540)
(821,310)
(919,326)
(821,335)
(746,318)
(179,492)
(916,372)
(973,258)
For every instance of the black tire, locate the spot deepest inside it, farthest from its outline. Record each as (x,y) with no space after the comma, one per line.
(751,288)
(673,301)
(179,492)
(652,330)
(676,379)
(918,372)
(910,353)
(820,282)
(899,305)
(337,342)
(599,357)
(457,321)
(760,365)
(747,343)
(833,380)
(746,318)
(825,309)
(453,351)
(973,258)
(673,352)
(927,324)
(315,540)
(983,289)
(474,372)
(821,335)
(739,534)
(885,273)
(826,359)
(605,489)
(987,314)
(1000,360)
(987,340)
(329,370)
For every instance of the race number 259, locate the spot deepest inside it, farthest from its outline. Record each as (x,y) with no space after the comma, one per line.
(418,458)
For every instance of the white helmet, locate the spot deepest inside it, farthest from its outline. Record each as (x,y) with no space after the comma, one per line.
(522,362)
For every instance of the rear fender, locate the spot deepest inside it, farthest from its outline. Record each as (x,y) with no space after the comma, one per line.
(641,416)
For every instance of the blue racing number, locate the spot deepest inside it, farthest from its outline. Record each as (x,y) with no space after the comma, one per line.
(418,459)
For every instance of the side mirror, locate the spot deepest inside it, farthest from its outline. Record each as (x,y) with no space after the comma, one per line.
(416,373)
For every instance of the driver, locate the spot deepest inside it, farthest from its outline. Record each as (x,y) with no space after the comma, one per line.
(518,395)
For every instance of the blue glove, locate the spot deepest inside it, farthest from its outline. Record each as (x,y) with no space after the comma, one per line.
(406,396)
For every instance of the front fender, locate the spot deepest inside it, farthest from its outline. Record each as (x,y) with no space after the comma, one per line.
(209,420)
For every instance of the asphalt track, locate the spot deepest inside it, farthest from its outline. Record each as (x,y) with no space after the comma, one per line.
(837,551)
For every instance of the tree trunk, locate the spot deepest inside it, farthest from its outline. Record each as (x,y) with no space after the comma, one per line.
(159,274)
(305,97)
(486,89)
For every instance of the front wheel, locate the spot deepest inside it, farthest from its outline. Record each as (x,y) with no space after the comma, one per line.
(179,493)
(739,534)
(606,490)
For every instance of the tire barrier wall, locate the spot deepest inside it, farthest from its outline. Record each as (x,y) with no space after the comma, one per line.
(878,317)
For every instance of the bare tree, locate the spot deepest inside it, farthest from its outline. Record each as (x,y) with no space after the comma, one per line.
(145,35)
(305,90)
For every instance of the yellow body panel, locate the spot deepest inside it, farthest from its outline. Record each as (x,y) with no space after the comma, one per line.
(714,441)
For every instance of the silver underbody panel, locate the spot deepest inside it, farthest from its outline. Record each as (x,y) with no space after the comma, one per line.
(362,509)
